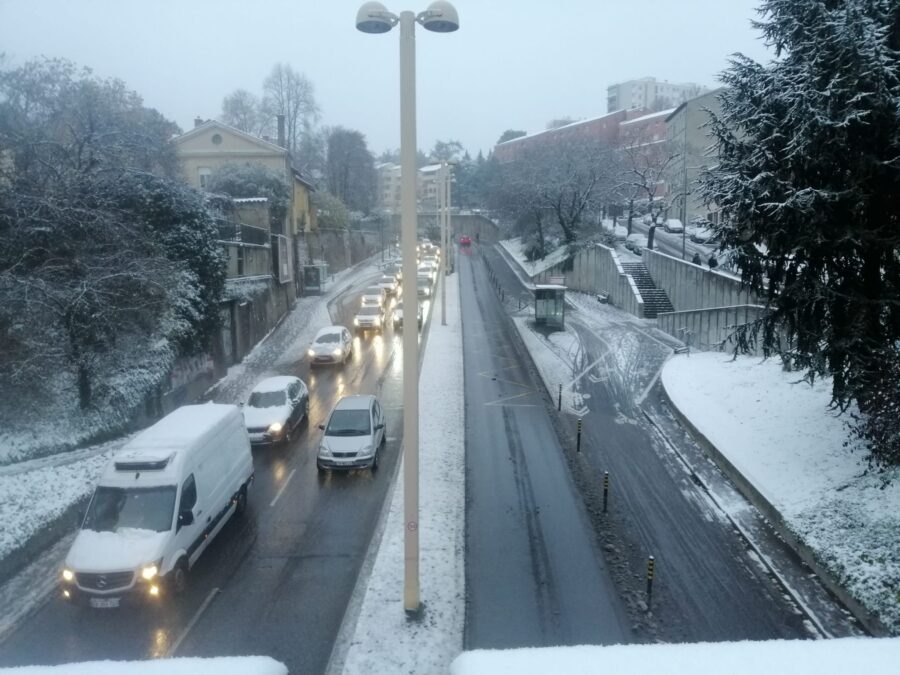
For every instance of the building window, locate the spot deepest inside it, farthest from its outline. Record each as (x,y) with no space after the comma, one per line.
(216,139)
(204,172)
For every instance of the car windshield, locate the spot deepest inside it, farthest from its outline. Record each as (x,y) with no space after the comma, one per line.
(328,338)
(373,290)
(387,280)
(423,282)
(266,399)
(370,311)
(114,508)
(349,423)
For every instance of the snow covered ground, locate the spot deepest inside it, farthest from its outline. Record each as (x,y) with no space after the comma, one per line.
(798,657)
(515,248)
(237,665)
(383,640)
(780,434)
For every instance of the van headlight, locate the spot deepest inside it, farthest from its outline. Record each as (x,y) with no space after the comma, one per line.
(336,352)
(148,572)
(355,322)
(275,427)
(68,575)
(324,451)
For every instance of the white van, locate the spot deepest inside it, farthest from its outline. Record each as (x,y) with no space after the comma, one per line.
(159,503)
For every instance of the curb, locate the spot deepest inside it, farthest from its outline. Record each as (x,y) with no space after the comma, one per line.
(868,620)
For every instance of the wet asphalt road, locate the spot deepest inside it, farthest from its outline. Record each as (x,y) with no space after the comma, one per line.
(276,582)
(534,576)
(707,585)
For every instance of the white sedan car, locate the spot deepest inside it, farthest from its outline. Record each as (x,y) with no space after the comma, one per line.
(388,284)
(333,344)
(354,435)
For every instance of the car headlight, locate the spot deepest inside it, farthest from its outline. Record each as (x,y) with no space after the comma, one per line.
(68,575)
(324,451)
(336,352)
(355,322)
(310,352)
(275,427)
(149,571)
(396,316)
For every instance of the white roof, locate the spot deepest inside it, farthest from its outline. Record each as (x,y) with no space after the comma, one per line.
(328,330)
(279,383)
(430,168)
(357,402)
(173,435)
(245,200)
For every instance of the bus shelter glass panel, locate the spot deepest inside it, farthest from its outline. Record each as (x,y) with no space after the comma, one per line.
(550,305)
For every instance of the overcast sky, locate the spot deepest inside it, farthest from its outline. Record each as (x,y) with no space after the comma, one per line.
(512,64)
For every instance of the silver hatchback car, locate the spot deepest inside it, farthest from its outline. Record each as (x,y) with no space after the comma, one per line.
(354,435)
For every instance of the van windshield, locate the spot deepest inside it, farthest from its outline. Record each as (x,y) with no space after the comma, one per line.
(348,423)
(115,508)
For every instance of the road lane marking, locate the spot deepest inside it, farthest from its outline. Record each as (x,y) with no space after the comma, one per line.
(284,485)
(194,619)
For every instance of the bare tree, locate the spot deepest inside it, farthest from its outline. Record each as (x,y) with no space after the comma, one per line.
(289,93)
(244,111)
(644,163)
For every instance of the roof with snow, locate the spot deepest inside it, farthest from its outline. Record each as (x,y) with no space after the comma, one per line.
(644,118)
(430,168)
(565,126)
(278,383)
(249,200)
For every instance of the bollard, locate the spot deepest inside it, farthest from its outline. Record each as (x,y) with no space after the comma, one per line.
(605,489)
(650,566)
(578,441)
(559,402)
(502,295)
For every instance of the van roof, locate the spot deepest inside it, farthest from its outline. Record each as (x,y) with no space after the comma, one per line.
(355,402)
(170,438)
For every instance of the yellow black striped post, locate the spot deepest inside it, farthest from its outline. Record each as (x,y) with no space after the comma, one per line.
(559,401)
(651,563)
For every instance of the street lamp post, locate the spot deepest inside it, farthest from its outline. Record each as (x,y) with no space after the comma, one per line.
(441,17)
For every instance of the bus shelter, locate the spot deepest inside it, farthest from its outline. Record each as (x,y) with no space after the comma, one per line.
(314,277)
(550,305)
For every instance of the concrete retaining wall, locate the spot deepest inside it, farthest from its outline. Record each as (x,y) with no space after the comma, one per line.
(708,329)
(691,286)
(598,271)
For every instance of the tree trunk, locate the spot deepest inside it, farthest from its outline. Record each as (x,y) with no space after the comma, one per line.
(630,214)
(84,386)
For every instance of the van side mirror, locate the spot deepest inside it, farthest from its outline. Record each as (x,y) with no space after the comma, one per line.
(322,427)
(378,427)
(186,518)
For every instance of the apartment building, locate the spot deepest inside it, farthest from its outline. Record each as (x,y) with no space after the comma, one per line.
(648,93)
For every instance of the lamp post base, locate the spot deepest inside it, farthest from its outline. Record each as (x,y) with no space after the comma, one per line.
(415,614)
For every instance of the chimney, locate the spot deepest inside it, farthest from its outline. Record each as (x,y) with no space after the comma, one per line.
(198,121)
(281,131)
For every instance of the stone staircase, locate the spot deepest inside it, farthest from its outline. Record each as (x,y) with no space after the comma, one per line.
(655,299)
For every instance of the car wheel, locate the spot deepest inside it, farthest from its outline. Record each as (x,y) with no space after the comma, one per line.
(287,433)
(179,583)
(374,467)
(240,504)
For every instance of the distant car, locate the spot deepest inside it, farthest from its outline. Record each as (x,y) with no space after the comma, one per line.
(636,243)
(398,314)
(702,235)
(465,240)
(373,296)
(276,407)
(428,268)
(388,284)
(673,225)
(423,288)
(369,317)
(333,344)
(354,435)
(395,270)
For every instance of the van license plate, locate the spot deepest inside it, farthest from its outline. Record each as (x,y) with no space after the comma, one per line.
(104,603)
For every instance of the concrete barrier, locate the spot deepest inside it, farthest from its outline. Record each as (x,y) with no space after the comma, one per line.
(691,286)
(709,329)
